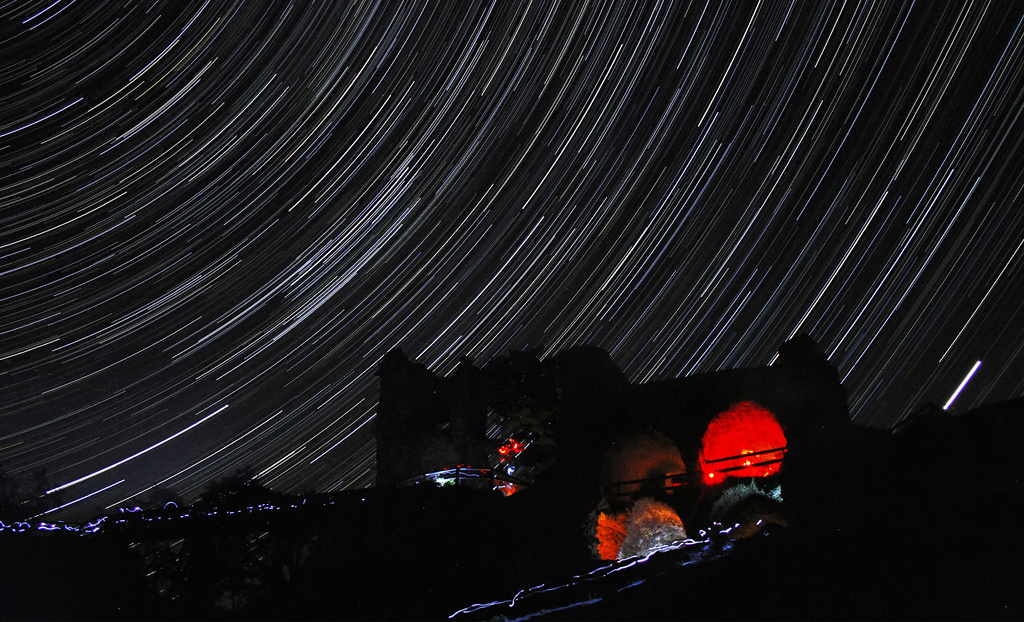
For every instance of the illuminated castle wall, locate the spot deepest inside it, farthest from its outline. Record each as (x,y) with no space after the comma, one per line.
(428,423)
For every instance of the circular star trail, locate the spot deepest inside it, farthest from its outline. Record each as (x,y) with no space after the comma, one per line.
(216,217)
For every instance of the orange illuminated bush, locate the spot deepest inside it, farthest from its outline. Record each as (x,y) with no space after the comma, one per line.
(611,531)
(745,431)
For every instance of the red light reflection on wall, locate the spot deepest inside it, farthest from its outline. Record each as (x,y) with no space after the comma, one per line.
(746,434)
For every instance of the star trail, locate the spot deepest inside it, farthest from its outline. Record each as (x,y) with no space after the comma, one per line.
(216,217)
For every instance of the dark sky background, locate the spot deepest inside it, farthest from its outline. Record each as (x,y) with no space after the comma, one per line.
(216,217)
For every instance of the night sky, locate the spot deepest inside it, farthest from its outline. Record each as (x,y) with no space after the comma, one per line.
(216,217)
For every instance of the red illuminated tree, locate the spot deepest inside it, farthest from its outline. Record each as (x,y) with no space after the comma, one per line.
(744,441)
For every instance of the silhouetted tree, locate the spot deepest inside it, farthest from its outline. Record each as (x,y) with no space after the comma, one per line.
(239,490)
(39,501)
(11,499)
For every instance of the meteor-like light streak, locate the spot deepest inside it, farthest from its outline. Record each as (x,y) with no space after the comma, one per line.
(963,384)
(136,454)
(82,498)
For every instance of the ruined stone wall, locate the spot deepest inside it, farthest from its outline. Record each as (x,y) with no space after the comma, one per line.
(424,420)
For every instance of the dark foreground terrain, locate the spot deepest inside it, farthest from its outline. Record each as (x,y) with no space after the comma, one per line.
(923,523)
(935,568)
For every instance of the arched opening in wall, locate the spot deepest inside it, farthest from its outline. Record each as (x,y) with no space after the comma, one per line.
(744,441)
(643,463)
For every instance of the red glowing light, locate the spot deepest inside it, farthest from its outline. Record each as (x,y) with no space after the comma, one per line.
(511,447)
(739,441)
